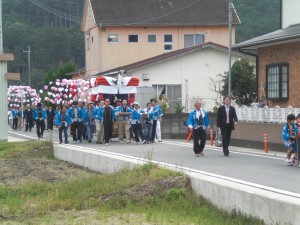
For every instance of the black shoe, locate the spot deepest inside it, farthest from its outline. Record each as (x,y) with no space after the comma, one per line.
(226,153)
(66,142)
(97,142)
(60,142)
(89,141)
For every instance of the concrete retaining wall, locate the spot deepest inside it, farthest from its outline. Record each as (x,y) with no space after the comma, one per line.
(271,205)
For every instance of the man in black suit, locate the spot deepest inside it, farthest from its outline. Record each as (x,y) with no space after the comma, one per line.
(226,121)
(50,118)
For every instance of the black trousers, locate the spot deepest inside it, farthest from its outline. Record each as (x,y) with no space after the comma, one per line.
(226,134)
(199,140)
(62,129)
(29,125)
(138,132)
(40,127)
(76,127)
(50,124)
(108,129)
(153,130)
(15,123)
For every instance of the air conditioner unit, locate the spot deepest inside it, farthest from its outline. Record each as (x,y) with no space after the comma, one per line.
(145,76)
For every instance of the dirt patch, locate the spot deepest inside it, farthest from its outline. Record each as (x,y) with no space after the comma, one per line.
(144,191)
(36,165)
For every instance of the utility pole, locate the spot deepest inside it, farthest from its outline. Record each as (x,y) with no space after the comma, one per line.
(1,34)
(28,56)
(229,46)
(4,76)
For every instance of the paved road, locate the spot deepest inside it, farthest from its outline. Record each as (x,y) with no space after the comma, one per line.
(248,166)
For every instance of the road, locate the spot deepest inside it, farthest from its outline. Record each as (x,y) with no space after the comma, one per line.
(247,166)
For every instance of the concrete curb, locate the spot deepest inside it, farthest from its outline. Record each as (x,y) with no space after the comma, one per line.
(271,205)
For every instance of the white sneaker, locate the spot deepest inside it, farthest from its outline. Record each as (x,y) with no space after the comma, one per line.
(127,142)
(107,144)
(288,162)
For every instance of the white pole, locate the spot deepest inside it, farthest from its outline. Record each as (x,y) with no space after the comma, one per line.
(28,57)
(3,89)
(229,47)
(1,34)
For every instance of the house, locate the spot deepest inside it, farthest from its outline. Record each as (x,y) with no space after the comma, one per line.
(182,75)
(278,60)
(79,74)
(289,12)
(119,33)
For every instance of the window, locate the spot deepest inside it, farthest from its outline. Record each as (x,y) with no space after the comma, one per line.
(151,38)
(112,38)
(168,42)
(133,38)
(277,82)
(193,39)
(87,42)
(170,92)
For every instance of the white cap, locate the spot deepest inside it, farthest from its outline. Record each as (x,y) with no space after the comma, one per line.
(135,103)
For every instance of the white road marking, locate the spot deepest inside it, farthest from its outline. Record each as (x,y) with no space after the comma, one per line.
(220,150)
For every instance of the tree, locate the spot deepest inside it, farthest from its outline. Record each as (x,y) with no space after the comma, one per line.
(60,72)
(243,82)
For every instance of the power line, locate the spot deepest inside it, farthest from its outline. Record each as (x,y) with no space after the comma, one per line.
(56,12)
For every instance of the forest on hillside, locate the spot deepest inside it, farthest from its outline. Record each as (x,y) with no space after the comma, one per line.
(52,28)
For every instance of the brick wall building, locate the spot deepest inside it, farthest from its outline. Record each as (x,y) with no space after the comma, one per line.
(278,66)
(284,54)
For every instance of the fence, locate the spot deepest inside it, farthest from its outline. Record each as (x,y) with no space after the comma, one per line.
(265,114)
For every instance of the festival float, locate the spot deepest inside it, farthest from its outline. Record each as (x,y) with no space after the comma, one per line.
(114,88)
(19,96)
(64,92)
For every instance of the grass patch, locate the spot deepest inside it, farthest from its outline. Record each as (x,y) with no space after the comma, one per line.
(145,195)
(37,149)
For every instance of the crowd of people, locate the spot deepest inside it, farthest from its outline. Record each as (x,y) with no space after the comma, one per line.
(92,121)
(97,122)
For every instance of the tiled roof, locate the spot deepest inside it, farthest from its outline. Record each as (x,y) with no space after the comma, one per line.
(161,12)
(164,56)
(279,36)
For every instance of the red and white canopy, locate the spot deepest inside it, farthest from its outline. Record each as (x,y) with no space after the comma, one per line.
(109,85)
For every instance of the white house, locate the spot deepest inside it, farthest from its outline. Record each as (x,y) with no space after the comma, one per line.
(183,75)
(289,13)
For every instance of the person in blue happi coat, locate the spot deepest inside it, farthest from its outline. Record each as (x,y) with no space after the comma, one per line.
(198,121)
(63,121)
(76,122)
(123,120)
(39,116)
(98,119)
(148,122)
(89,122)
(136,123)
(15,116)
(156,120)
